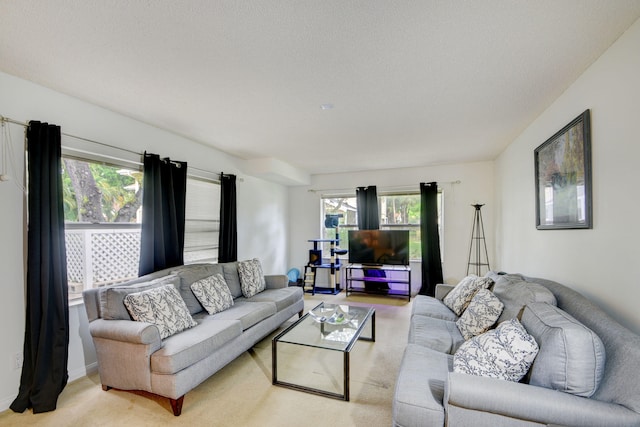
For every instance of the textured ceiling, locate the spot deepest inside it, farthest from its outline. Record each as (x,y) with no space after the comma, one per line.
(412,82)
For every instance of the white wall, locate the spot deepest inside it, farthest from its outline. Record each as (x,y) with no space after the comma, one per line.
(476,186)
(262,207)
(599,263)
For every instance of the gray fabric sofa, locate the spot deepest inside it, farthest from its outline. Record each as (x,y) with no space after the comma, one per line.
(585,373)
(132,356)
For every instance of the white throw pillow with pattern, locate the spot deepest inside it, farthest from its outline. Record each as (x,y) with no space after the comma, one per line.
(251,277)
(506,352)
(213,293)
(460,296)
(481,314)
(163,307)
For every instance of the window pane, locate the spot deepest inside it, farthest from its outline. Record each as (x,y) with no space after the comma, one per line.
(97,193)
(397,212)
(202,223)
(103,211)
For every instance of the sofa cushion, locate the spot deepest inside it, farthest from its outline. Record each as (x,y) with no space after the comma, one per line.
(248,313)
(460,296)
(192,345)
(189,274)
(230,272)
(419,392)
(112,297)
(436,334)
(162,307)
(282,297)
(482,313)
(251,277)
(213,293)
(506,352)
(571,357)
(515,293)
(429,306)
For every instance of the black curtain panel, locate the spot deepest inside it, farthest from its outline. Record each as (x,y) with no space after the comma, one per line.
(369,219)
(430,242)
(163,214)
(367,200)
(228,237)
(46,337)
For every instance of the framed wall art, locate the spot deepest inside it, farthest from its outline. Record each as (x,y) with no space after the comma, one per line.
(563,177)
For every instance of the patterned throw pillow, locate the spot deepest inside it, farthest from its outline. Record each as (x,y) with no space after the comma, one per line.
(505,352)
(163,307)
(213,293)
(482,312)
(460,296)
(251,278)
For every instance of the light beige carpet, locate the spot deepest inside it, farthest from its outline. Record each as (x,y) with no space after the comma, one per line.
(241,394)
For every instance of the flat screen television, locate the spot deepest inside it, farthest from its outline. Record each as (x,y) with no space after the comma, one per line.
(379,247)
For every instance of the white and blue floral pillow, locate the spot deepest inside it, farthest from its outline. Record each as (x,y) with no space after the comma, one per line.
(481,314)
(505,352)
(162,306)
(251,277)
(213,293)
(460,296)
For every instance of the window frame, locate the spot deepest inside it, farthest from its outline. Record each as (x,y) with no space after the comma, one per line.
(383,226)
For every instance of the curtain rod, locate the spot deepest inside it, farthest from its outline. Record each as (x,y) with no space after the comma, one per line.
(25,125)
(390,188)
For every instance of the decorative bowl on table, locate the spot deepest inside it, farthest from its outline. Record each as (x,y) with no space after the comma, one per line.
(331,315)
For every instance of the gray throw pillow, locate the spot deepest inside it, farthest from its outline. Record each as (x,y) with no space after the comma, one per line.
(505,352)
(481,314)
(571,357)
(163,307)
(213,293)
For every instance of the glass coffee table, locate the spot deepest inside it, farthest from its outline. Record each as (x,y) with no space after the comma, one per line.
(312,355)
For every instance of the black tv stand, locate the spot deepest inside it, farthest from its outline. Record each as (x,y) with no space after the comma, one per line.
(400,274)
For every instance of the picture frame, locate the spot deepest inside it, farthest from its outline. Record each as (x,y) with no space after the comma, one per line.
(563,177)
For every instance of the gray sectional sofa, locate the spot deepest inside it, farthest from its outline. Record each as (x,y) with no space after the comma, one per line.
(132,356)
(586,372)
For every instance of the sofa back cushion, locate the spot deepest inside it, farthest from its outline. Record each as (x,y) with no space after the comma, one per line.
(230,273)
(571,357)
(515,293)
(112,297)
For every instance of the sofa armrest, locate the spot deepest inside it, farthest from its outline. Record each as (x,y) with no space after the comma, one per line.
(276,281)
(442,290)
(529,403)
(126,331)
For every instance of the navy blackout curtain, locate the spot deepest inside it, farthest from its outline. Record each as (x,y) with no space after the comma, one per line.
(430,242)
(228,236)
(163,214)
(367,201)
(46,337)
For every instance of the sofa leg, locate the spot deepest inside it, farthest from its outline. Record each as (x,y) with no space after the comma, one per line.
(300,313)
(176,405)
(106,387)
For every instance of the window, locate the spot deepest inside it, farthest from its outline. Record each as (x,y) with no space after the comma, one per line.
(398,211)
(202,221)
(103,211)
(103,215)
